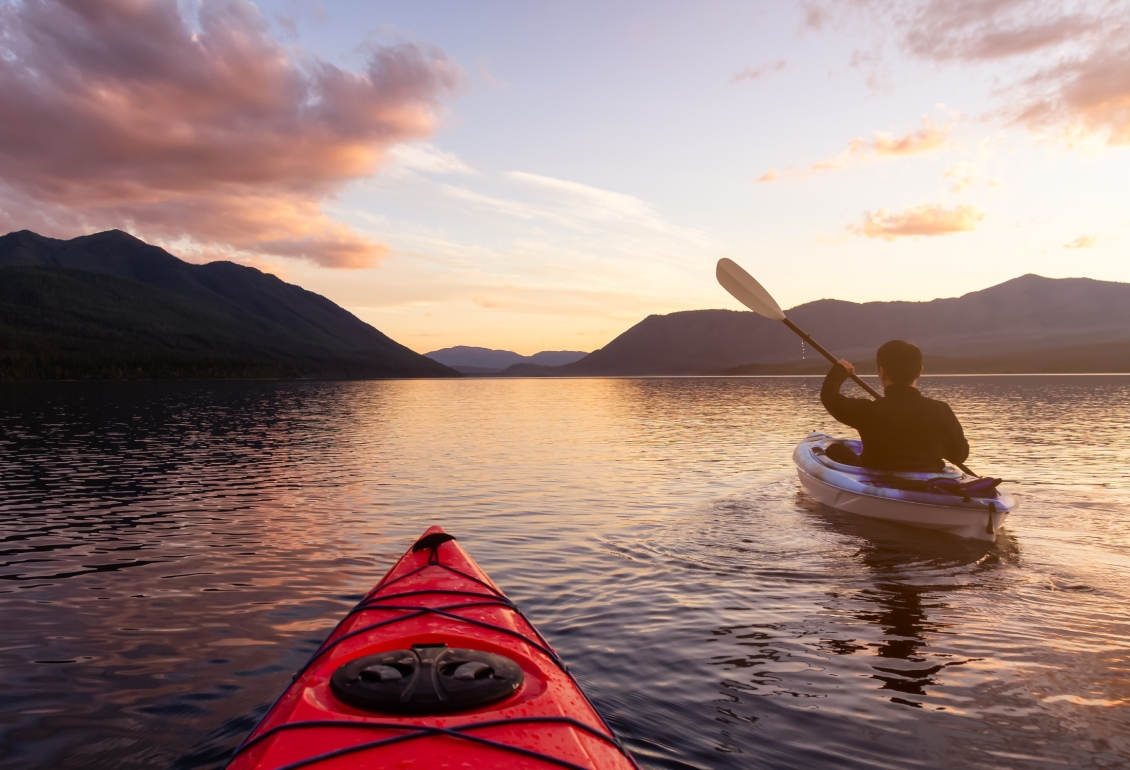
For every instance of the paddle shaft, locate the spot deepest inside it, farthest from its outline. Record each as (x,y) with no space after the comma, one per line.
(819,349)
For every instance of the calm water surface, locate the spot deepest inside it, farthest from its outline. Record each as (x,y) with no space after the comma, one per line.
(171,553)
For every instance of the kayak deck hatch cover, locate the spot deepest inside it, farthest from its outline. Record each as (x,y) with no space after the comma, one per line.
(434,668)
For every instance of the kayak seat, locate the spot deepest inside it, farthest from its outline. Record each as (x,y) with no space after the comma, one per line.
(839,452)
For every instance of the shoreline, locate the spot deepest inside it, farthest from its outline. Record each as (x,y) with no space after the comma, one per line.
(577,377)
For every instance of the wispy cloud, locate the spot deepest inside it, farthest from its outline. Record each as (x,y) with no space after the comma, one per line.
(201,128)
(520,243)
(1068,67)
(1088,95)
(590,202)
(564,203)
(962,175)
(930,137)
(926,139)
(494,82)
(758,72)
(1086,89)
(421,156)
(558,273)
(486,303)
(980,30)
(1082,242)
(511,207)
(925,219)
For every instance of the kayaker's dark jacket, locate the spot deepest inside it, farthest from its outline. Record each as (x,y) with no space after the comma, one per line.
(901,431)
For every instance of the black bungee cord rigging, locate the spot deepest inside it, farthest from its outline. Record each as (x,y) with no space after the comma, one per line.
(373,602)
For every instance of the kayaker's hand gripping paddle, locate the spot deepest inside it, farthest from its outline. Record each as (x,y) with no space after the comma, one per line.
(750,293)
(746,290)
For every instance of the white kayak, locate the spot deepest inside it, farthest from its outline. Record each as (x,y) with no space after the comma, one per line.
(899,497)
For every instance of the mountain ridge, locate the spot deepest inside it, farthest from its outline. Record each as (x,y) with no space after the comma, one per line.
(1032,320)
(149,313)
(476,360)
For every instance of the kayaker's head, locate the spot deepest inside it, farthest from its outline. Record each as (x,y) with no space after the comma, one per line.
(900,363)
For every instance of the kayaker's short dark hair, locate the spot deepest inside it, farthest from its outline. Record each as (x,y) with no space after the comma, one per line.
(901,361)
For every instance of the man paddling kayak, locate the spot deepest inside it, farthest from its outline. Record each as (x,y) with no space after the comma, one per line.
(901,431)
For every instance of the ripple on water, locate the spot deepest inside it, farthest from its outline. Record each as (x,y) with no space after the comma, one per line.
(170,554)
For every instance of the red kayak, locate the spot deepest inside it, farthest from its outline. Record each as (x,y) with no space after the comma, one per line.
(434,668)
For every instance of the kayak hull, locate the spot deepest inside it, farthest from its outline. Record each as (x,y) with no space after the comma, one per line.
(870,493)
(435,601)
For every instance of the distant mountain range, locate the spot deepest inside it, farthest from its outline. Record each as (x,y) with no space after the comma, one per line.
(471,360)
(1028,324)
(111,306)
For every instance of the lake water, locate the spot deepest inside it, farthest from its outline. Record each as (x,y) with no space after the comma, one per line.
(171,553)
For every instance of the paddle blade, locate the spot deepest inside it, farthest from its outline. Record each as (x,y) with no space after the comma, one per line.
(747,290)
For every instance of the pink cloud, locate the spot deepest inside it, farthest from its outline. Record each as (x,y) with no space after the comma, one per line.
(925,219)
(124,113)
(815,15)
(835,164)
(1089,95)
(926,139)
(1087,89)
(1082,242)
(971,30)
(1069,63)
(929,138)
(963,173)
(491,79)
(756,73)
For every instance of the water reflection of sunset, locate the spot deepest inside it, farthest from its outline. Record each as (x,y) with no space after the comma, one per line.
(178,550)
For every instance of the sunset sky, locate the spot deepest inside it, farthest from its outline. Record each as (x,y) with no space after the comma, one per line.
(536,176)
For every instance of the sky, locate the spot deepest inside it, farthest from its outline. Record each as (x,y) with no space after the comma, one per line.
(542,176)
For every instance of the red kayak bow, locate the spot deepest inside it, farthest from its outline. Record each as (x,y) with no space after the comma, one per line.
(434,668)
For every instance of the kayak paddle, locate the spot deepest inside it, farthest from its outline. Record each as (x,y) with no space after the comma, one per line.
(746,290)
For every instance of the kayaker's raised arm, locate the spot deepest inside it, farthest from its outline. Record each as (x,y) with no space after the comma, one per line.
(849,411)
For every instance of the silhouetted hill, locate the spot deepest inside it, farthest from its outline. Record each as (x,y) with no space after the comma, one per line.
(110,305)
(1028,324)
(472,360)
